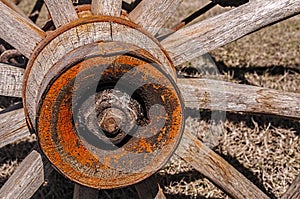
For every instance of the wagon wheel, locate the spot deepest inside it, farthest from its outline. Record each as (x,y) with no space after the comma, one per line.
(95,85)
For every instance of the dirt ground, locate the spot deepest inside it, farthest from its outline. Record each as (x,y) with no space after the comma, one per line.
(266,149)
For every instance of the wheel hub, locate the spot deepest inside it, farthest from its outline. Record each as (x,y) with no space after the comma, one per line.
(100,93)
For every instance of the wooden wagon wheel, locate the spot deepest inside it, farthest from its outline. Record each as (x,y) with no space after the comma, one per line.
(103,97)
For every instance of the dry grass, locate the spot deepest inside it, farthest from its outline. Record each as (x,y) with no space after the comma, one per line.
(265,149)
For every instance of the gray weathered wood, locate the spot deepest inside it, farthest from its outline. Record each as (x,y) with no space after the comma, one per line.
(80,36)
(61,11)
(26,180)
(18,31)
(152,14)
(12,127)
(56,49)
(82,192)
(293,192)
(107,7)
(216,169)
(220,95)
(14,7)
(202,37)
(11,80)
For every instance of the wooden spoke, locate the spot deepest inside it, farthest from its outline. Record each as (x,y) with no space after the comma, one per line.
(294,190)
(11,80)
(107,7)
(12,127)
(220,95)
(152,14)
(27,178)
(216,169)
(61,11)
(18,31)
(82,192)
(14,7)
(202,37)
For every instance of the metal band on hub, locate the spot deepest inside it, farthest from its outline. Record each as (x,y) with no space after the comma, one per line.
(105,105)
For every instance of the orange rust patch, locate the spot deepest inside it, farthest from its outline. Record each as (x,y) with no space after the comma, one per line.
(71,156)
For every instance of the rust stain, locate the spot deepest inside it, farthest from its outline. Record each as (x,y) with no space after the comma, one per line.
(58,137)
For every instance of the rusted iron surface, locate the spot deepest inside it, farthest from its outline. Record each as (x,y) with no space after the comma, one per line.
(73,141)
(77,24)
(107,114)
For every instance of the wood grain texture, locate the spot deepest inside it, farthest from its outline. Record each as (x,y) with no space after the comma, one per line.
(82,192)
(12,127)
(107,7)
(11,80)
(14,7)
(18,31)
(293,192)
(225,96)
(202,37)
(80,36)
(125,34)
(216,169)
(26,179)
(56,49)
(61,11)
(152,14)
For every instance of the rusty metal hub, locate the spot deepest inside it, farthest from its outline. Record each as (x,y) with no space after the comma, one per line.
(101,95)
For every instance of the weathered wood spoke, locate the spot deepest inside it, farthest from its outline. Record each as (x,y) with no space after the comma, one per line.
(152,14)
(202,37)
(82,192)
(61,11)
(105,148)
(18,31)
(11,80)
(27,178)
(12,127)
(216,169)
(107,7)
(220,95)
(14,7)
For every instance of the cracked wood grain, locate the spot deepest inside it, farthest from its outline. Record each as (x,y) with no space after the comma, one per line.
(62,12)
(225,96)
(152,14)
(216,169)
(18,31)
(107,7)
(11,80)
(56,49)
(202,37)
(26,179)
(12,127)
